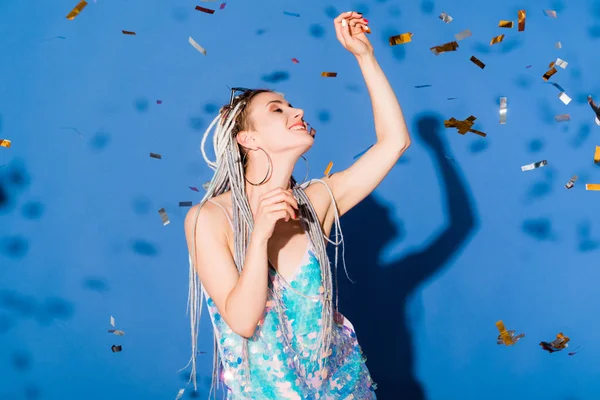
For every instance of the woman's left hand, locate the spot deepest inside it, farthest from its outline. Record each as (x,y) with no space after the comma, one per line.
(350,28)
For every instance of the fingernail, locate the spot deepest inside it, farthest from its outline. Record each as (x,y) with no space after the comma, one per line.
(344,23)
(366,20)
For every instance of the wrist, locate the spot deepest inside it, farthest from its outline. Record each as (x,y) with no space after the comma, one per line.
(368,58)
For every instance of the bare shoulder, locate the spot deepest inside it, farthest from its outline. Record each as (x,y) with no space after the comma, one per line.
(209,217)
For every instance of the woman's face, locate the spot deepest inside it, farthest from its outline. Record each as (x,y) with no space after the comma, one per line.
(275,125)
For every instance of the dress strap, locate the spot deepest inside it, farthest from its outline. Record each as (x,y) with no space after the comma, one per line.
(224,211)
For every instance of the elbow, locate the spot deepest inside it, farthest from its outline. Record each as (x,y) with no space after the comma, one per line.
(246,332)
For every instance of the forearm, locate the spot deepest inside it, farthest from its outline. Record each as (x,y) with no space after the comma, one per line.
(595,108)
(246,302)
(390,125)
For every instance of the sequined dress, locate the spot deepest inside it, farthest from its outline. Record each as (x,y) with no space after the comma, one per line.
(277,372)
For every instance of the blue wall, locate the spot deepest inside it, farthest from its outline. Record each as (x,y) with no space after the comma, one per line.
(459,237)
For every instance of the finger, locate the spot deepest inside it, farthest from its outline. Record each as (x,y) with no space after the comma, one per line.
(275,209)
(345,31)
(338,29)
(280,198)
(269,195)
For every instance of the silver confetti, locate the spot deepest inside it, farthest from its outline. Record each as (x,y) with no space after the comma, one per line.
(197,46)
(561,63)
(445,17)
(534,165)
(463,35)
(564,98)
(571,182)
(164,216)
(503,110)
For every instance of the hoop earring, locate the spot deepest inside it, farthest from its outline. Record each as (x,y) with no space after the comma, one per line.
(307,169)
(269,170)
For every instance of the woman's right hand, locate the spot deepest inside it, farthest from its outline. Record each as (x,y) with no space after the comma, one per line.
(273,206)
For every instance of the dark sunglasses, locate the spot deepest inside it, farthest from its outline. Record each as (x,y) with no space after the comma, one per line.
(237,92)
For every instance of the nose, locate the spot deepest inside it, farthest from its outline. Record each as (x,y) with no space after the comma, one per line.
(298,113)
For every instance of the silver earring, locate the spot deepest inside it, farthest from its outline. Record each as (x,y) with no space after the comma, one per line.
(307,170)
(269,170)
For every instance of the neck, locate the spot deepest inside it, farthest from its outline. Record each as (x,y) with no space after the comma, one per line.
(279,178)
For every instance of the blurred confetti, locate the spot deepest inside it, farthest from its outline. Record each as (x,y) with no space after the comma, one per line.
(75,11)
(205,10)
(128,33)
(5,143)
(445,17)
(329,74)
(505,337)
(291,14)
(462,35)
(522,15)
(496,39)
(450,46)
(164,217)
(560,343)
(157,156)
(477,62)
(463,126)
(503,109)
(534,165)
(196,45)
(550,13)
(505,24)
(400,39)
(571,182)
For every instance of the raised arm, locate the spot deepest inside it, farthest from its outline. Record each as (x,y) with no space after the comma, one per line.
(352,185)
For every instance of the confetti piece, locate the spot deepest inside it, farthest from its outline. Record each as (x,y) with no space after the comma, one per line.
(128,33)
(548,74)
(179,394)
(477,62)
(503,110)
(197,46)
(116,332)
(556,85)
(185,204)
(361,153)
(522,16)
(558,45)
(559,344)
(195,189)
(291,14)
(295,60)
(452,98)
(505,337)
(445,17)
(75,11)
(529,66)
(5,143)
(571,182)
(157,156)
(206,185)
(163,215)
(572,353)
(329,74)
(597,155)
(112,320)
(463,35)
(222,6)
(551,64)
(550,13)
(562,118)
(422,86)
(116,349)
(450,46)
(506,24)
(205,10)
(534,165)
(564,98)
(400,39)
(561,63)
(592,186)
(312,132)
(328,169)
(463,126)
(497,39)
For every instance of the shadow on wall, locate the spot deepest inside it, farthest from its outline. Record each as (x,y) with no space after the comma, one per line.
(376,303)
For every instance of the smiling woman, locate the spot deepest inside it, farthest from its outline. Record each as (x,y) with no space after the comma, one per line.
(257,243)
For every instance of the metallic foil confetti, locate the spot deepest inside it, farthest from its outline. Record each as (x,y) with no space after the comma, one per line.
(117,332)
(477,62)
(529,66)
(422,86)
(75,11)
(180,394)
(400,39)
(556,85)
(505,337)
(562,118)
(112,320)
(128,33)
(205,10)
(329,74)
(534,165)
(564,98)
(551,64)
(503,109)
(291,14)
(195,189)
(463,126)
(197,46)
(222,6)
(5,143)
(361,153)
(592,186)
(571,182)
(295,60)
(328,169)
(158,101)
(496,39)
(185,204)
(157,156)
(548,74)
(116,349)
(163,215)
(561,63)
(506,24)
(522,16)
(450,46)
(550,13)
(597,155)
(445,17)
(561,342)
(463,35)
(558,45)
(452,98)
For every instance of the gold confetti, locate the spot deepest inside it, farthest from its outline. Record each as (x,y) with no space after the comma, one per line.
(551,64)
(506,24)
(445,17)
(550,13)
(562,118)
(450,46)
(548,74)
(561,342)
(477,62)
(505,337)
(128,33)
(592,186)
(157,156)
(463,126)
(558,45)
(197,46)
(5,143)
(503,109)
(75,11)
(561,63)
(328,169)
(164,216)
(496,39)
(329,74)
(564,98)
(463,35)
(571,182)
(534,165)
(400,39)
(522,16)
(597,155)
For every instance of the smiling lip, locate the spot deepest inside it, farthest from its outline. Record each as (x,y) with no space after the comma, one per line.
(298,124)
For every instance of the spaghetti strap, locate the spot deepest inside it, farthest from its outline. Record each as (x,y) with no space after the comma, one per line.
(224,211)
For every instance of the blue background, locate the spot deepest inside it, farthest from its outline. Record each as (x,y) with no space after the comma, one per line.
(455,238)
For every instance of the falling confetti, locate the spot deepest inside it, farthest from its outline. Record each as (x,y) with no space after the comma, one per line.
(157,156)
(477,62)
(5,143)
(450,46)
(592,186)
(222,6)
(295,60)
(128,33)
(328,169)
(117,332)
(291,14)
(556,85)
(116,349)
(163,215)
(197,46)
(564,98)
(522,16)
(561,63)
(205,10)
(445,17)
(195,189)
(571,182)
(503,109)
(158,101)
(112,320)
(185,204)
(422,86)
(329,74)
(75,11)
(505,337)
(572,353)
(506,24)
(559,344)
(400,39)
(180,394)
(558,45)
(534,165)
(206,185)
(550,13)
(463,126)
(597,155)
(562,118)
(496,39)
(548,74)
(463,35)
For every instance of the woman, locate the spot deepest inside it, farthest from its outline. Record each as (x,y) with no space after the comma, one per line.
(257,243)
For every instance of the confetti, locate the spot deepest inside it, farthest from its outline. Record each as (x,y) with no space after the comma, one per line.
(463,35)
(157,156)
(361,153)
(522,16)
(564,98)
(452,98)
(328,169)
(556,85)
(497,39)
(562,118)
(116,332)
(185,204)
(295,60)
(112,320)
(477,62)
(400,39)
(329,74)
(445,17)
(548,74)
(506,24)
(597,155)
(558,45)
(128,33)
(503,110)
(195,189)
(572,353)
(529,66)
(312,132)
(222,6)
(550,13)
(597,121)
(534,165)
(158,101)
(450,46)
(505,337)
(559,344)
(163,215)
(75,11)
(5,143)
(571,182)
(197,46)
(561,63)
(592,186)
(422,86)
(116,349)
(551,64)
(463,126)
(291,14)
(205,10)
(179,394)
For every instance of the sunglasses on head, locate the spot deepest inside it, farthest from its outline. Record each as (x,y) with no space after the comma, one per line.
(237,92)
